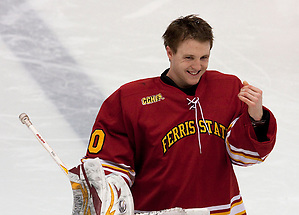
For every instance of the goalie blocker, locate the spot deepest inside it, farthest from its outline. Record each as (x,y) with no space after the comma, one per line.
(97,194)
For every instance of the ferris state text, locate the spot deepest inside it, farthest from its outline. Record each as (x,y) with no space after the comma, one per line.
(188,128)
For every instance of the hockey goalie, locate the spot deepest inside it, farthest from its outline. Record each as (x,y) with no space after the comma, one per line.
(97,194)
(171,140)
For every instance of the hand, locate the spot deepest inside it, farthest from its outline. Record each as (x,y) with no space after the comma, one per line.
(252,96)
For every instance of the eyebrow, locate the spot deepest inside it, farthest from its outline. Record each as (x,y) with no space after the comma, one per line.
(192,55)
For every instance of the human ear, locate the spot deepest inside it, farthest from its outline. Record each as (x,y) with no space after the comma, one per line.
(169,52)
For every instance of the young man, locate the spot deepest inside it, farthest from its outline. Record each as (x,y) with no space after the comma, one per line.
(174,138)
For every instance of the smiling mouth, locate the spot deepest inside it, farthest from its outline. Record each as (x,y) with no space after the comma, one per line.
(194,72)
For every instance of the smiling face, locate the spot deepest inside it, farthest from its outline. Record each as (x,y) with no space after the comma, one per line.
(189,62)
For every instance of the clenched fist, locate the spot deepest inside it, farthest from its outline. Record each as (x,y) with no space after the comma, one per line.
(253,97)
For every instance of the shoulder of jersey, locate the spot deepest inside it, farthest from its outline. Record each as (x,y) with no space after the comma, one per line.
(140,86)
(213,74)
(221,81)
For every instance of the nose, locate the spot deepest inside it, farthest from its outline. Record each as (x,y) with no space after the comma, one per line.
(197,65)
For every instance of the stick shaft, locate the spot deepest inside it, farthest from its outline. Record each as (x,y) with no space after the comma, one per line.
(25,120)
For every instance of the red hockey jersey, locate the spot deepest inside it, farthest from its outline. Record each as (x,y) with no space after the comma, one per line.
(176,150)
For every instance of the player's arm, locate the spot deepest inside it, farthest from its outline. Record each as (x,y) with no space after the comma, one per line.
(252,96)
(247,142)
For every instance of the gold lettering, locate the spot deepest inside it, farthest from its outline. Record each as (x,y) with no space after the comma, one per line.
(170,141)
(164,145)
(152,99)
(191,126)
(209,123)
(202,126)
(159,96)
(216,129)
(187,127)
(182,130)
(223,131)
(175,134)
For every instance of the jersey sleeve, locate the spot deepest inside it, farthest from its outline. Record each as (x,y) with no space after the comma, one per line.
(242,143)
(110,140)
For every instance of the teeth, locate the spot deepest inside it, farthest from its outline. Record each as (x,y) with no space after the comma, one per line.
(193,73)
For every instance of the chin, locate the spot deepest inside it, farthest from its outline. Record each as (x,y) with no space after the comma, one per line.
(192,83)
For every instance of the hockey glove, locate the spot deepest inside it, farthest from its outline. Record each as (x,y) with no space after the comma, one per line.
(97,194)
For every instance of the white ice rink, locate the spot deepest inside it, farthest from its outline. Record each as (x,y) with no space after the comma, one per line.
(60,59)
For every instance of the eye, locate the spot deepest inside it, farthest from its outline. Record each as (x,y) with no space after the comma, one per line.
(189,58)
(204,57)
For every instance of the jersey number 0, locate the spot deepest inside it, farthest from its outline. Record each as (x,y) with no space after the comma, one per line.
(96,141)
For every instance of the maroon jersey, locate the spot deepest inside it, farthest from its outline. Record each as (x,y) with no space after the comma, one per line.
(176,150)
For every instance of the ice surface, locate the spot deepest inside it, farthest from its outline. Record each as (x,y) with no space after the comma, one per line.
(60,59)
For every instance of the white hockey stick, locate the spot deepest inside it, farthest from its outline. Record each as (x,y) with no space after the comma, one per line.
(80,195)
(25,120)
